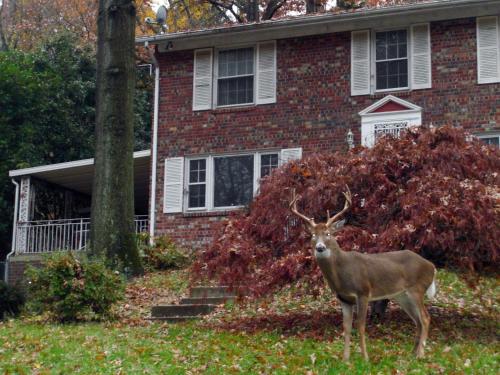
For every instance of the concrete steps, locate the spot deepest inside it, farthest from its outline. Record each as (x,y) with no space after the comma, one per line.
(208,300)
(202,300)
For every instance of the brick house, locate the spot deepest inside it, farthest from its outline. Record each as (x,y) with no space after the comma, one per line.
(234,102)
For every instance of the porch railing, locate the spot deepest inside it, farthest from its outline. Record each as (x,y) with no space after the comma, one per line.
(44,236)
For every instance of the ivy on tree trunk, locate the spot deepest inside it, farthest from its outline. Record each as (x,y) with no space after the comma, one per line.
(112,218)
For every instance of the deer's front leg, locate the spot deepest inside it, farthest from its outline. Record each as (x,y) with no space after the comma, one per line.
(347,325)
(362,310)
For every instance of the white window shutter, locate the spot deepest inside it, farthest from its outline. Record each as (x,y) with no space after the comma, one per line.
(173,185)
(360,62)
(421,70)
(488,46)
(288,154)
(202,79)
(266,73)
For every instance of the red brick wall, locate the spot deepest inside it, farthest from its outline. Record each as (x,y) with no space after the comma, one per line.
(314,109)
(18,267)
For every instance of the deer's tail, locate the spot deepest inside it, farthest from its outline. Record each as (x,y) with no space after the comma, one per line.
(432,289)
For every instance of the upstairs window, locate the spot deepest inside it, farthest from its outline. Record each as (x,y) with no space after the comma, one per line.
(236,76)
(235,83)
(391,59)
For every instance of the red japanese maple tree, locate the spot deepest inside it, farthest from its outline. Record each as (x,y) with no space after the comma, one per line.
(431,191)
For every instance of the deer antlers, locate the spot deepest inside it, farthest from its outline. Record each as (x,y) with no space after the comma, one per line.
(330,220)
(293,207)
(347,205)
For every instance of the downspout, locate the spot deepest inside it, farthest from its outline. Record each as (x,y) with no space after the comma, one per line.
(152,201)
(14,232)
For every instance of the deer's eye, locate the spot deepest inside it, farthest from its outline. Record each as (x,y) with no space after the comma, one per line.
(328,234)
(313,236)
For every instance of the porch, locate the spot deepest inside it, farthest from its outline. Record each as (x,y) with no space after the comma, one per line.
(42,236)
(52,205)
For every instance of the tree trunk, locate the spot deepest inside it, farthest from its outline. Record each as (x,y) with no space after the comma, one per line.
(252,11)
(4,7)
(313,6)
(112,217)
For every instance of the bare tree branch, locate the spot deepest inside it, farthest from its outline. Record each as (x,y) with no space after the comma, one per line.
(223,6)
(272,7)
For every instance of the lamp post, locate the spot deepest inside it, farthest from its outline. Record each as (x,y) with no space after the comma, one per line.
(350,139)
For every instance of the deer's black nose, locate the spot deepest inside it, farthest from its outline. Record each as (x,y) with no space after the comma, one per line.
(320,248)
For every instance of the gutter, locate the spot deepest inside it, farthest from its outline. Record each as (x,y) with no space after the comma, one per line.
(154,146)
(322,19)
(14,232)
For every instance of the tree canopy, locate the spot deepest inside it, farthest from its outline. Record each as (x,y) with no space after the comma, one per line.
(47,97)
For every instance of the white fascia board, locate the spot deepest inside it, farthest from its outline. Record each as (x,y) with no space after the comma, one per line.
(393,16)
(412,117)
(66,165)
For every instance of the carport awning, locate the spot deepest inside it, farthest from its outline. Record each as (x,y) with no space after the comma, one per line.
(78,175)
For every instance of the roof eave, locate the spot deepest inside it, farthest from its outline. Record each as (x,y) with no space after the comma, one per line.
(66,165)
(326,23)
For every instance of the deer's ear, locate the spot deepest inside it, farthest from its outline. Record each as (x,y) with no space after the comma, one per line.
(338,225)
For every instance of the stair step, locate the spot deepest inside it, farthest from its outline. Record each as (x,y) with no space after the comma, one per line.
(162,311)
(211,291)
(173,319)
(206,300)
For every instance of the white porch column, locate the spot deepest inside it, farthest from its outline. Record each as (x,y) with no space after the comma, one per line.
(24,214)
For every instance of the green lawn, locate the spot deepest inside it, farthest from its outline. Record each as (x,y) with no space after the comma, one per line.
(286,334)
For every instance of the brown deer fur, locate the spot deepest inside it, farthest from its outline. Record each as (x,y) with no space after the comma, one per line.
(358,279)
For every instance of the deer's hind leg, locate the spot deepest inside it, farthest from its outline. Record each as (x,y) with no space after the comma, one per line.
(412,303)
(425,320)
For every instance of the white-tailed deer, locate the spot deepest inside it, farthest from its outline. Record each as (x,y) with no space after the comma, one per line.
(358,278)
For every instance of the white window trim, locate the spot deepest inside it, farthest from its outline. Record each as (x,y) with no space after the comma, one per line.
(488,135)
(373,60)
(187,184)
(215,79)
(209,205)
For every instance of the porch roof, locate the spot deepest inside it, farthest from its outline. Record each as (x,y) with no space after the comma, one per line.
(78,175)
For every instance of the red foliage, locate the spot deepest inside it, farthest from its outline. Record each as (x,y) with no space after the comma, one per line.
(430,191)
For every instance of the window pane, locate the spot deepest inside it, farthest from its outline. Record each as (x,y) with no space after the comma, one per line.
(268,163)
(403,73)
(235,91)
(197,179)
(381,46)
(392,51)
(197,170)
(197,196)
(236,62)
(233,180)
(392,74)
(382,75)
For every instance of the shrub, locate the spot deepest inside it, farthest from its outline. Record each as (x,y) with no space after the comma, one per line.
(71,289)
(165,254)
(430,191)
(12,299)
